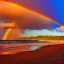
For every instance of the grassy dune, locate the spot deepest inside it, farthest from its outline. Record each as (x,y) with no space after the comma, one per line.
(42,38)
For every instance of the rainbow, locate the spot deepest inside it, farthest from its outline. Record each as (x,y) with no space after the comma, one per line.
(8,31)
(6,34)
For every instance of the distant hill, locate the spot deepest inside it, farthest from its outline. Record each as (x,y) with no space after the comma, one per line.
(46,55)
(42,38)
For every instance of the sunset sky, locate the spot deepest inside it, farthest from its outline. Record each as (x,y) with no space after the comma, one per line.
(53,9)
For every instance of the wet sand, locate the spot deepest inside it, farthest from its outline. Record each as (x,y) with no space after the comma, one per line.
(16,48)
(53,54)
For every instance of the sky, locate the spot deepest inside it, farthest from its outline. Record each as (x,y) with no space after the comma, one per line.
(51,8)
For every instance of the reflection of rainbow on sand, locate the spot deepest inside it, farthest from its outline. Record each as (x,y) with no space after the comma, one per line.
(9,30)
(16,48)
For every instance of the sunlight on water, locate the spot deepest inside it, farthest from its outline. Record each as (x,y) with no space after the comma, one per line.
(35,47)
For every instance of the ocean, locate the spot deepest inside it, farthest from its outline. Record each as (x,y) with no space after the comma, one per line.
(13,47)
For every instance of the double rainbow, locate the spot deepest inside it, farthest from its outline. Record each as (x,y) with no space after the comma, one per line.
(6,35)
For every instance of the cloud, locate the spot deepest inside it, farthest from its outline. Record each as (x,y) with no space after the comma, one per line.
(54,32)
(61,29)
(24,18)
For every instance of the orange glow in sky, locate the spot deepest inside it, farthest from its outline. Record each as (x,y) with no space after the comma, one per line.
(16,9)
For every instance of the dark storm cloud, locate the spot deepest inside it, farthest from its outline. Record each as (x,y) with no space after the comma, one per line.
(24,19)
